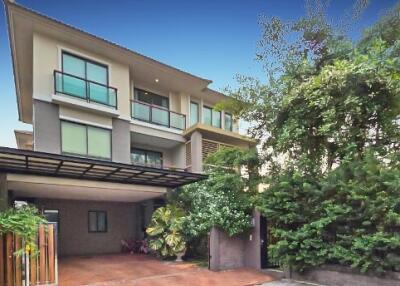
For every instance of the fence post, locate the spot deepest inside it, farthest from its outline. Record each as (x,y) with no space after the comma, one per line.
(50,245)
(18,262)
(9,258)
(42,255)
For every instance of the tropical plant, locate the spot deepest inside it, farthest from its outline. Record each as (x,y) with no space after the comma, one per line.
(23,221)
(166,231)
(224,199)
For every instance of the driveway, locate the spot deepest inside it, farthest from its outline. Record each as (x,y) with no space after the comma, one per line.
(142,270)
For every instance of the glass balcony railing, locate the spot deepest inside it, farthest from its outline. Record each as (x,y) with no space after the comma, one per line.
(88,90)
(157,115)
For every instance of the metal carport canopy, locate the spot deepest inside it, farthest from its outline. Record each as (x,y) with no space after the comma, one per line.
(46,164)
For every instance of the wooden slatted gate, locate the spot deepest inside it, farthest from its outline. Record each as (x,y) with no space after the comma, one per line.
(40,269)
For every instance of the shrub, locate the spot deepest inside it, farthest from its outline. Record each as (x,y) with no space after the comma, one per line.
(23,221)
(166,231)
(350,217)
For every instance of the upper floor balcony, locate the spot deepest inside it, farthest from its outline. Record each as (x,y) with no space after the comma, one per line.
(158,115)
(85,89)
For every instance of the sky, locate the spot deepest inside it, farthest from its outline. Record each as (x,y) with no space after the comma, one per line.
(214,39)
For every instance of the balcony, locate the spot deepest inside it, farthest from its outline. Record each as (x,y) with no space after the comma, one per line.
(90,91)
(157,115)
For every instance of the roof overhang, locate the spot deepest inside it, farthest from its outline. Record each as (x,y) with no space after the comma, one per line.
(221,135)
(24,139)
(54,165)
(23,23)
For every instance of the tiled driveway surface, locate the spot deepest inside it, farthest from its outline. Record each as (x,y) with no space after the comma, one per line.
(140,270)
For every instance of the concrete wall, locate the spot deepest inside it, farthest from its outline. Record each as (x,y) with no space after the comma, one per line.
(229,252)
(74,237)
(121,141)
(344,276)
(196,152)
(46,126)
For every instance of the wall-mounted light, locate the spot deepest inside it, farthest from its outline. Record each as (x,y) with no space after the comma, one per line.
(156,80)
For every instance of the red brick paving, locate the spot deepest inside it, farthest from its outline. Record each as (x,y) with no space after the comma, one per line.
(141,270)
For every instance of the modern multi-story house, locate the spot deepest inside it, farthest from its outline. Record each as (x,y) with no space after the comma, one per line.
(113,130)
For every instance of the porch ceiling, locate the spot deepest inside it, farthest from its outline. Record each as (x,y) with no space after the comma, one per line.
(46,164)
(31,186)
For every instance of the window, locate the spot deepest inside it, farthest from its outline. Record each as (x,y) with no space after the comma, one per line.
(228,122)
(216,118)
(194,113)
(88,141)
(207,115)
(86,79)
(147,158)
(97,221)
(212,117)
(84,68)
(151,98)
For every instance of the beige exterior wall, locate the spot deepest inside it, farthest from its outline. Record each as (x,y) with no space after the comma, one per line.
(123,221)
(47,58)
(77,115)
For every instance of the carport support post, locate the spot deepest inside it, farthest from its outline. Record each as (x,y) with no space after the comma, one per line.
(3,192)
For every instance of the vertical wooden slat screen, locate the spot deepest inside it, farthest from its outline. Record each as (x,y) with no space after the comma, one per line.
(51,254)
(10,260)
(18,262)
(33,270)
(42,266)
(2,260)
(42,255)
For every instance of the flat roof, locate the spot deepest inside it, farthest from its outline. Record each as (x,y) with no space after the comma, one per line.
(46,164)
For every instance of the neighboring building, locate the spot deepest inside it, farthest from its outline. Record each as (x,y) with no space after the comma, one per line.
(113,130)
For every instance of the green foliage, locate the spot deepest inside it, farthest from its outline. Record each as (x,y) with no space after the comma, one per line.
(24,222)
(166,231)
(329,123)
(351,216)
(220,200)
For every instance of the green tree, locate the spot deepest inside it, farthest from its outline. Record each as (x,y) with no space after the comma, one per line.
(329,122)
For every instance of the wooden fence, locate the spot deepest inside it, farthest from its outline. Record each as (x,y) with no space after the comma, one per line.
(38,270)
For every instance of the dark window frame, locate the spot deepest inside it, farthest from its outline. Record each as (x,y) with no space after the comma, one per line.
(97,221)
(228,114)
(87,141)
(86,60)
(152,101)
(220,116)
(58,216)
(146,151)
(198,112)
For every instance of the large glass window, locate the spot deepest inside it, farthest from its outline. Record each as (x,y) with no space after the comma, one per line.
(207,115)
(216,118)
(85,79)
(97,221)
(228,122)
(212,117)
(194,113)
(146,157)
(85,140)
(84,68)
(151,98)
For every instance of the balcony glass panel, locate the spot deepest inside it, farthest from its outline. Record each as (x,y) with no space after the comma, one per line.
(177,120)
(70,85)
(141,111)
(98,93)
(160,116)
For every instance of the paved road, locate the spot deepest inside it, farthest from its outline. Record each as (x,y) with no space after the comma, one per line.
(285,282)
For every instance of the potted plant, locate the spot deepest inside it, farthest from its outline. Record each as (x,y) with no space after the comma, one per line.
(165,232)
